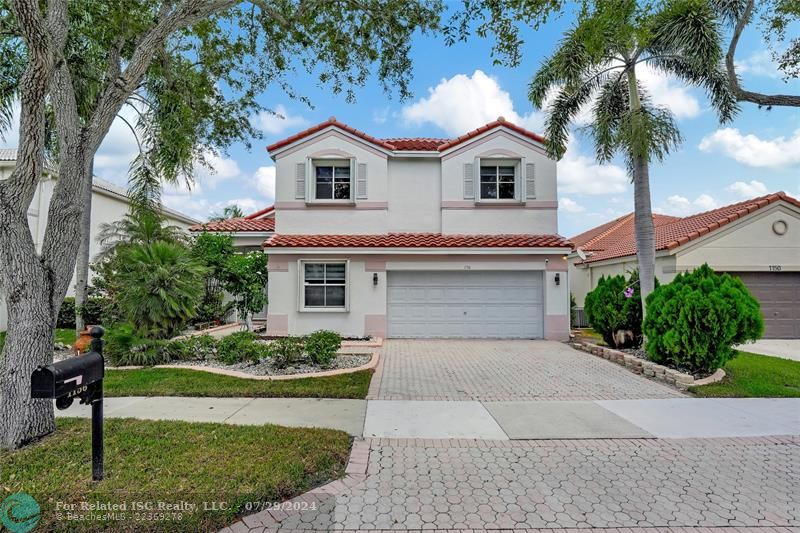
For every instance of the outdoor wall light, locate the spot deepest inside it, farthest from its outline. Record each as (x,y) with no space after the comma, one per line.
(375,279)
(558,279)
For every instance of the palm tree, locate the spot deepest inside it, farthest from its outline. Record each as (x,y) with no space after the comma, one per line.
(595,68)
(231,211)
(138,226)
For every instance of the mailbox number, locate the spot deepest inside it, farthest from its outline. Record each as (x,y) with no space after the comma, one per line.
(76,392)
(775,268)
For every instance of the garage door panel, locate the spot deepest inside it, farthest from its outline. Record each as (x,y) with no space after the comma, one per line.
(484,304)
(779,296)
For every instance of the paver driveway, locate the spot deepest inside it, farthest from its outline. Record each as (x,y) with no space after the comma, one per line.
(478,485)
(491,370)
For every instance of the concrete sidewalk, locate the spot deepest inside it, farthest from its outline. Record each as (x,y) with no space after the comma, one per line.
(783,348)
(518,420)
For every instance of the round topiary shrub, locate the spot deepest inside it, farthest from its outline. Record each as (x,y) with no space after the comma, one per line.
(322,345)
(693,322)
(614,306)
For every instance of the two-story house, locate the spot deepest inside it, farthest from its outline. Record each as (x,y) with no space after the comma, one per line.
(417,237)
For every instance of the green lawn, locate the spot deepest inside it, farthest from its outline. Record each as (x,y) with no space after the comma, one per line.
(755,376)
(165,461)
(63,335)
(185,382)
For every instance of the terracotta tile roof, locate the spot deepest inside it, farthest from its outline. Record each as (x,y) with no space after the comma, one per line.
(416,240)
(616,238)
(424,144)
(267,211)
(418,144)
(235,225)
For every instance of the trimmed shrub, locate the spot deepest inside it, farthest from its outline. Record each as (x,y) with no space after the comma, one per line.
(93,309)
(240,347)
(123,347)
(693,322)
(195,348)
(609,309)
(66,314)
(322,345)
(287,350)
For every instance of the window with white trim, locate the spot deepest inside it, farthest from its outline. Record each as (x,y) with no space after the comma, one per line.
(498,180)
(332,179)
(325,285)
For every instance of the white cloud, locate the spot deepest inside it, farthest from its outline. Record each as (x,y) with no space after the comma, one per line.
(580,174)
(666,91)
(380,116)
(681,206)
(759,63)
(216,169)
(265,182)
(463,103)
(279,121)
(748,190)
(569,205)
(752,150)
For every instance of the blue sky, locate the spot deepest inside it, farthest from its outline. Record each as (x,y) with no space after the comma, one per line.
(458,88)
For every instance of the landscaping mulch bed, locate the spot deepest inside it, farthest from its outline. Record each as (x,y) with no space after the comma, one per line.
(265,367)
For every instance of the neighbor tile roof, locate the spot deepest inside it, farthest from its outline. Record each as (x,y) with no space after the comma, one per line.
(423,144)
(416,240)
(263,220)
(617,239)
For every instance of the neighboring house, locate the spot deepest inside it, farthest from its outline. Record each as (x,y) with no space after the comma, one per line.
(417,237)
(109,204)
(248,232)
(757,240)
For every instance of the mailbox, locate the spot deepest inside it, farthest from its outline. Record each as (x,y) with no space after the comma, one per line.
(69,378)
(78,377)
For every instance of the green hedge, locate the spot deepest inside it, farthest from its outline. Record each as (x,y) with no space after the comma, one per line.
(609,310)
(693,322)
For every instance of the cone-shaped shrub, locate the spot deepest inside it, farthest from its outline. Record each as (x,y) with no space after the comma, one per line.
(608,309)
(693,322)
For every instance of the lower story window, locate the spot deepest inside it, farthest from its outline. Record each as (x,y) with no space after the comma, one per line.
(324,285)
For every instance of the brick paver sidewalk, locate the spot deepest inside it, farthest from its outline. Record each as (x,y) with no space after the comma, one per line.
(402,485)
(488,370)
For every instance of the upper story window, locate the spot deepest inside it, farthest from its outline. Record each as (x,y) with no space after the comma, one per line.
(498,180)
(332,180)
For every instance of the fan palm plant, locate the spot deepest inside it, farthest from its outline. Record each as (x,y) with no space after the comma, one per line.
(139,226)
(595,69)
(160,287)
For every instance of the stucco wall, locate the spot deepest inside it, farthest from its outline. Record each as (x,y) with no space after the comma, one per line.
(419,194)
(583,279)
(749,244)
(368,302)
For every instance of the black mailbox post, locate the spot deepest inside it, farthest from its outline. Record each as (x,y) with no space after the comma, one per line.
(78,377)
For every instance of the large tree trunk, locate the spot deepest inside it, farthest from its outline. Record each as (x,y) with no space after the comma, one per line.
(643,215)
(82,268)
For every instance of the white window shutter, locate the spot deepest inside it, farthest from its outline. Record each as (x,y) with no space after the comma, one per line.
(469,181)
(519,181)
(300,182)
(361,181)
(530,181)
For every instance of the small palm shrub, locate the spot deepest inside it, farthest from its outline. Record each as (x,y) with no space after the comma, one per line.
(195,348)
(240,347)
(693,322)
(616,305)
(124,347)
(161,285)
(322,345)
(286,351)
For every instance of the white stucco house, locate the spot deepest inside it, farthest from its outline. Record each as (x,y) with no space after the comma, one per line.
(757,240)
(417,237)
(109,204)
(248,232)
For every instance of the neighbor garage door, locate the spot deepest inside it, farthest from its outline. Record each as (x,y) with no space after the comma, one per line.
(487,304)
(779,295)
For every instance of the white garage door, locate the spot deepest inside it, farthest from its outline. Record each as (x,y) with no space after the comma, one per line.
(485,304)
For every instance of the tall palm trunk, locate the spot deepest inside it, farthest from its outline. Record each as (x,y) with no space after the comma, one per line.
(643,214)
(82,267)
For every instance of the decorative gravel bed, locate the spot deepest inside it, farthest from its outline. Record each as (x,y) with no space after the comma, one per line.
(265,367)
(641,353)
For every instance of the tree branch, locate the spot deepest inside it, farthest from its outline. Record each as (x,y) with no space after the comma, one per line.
(744,95)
